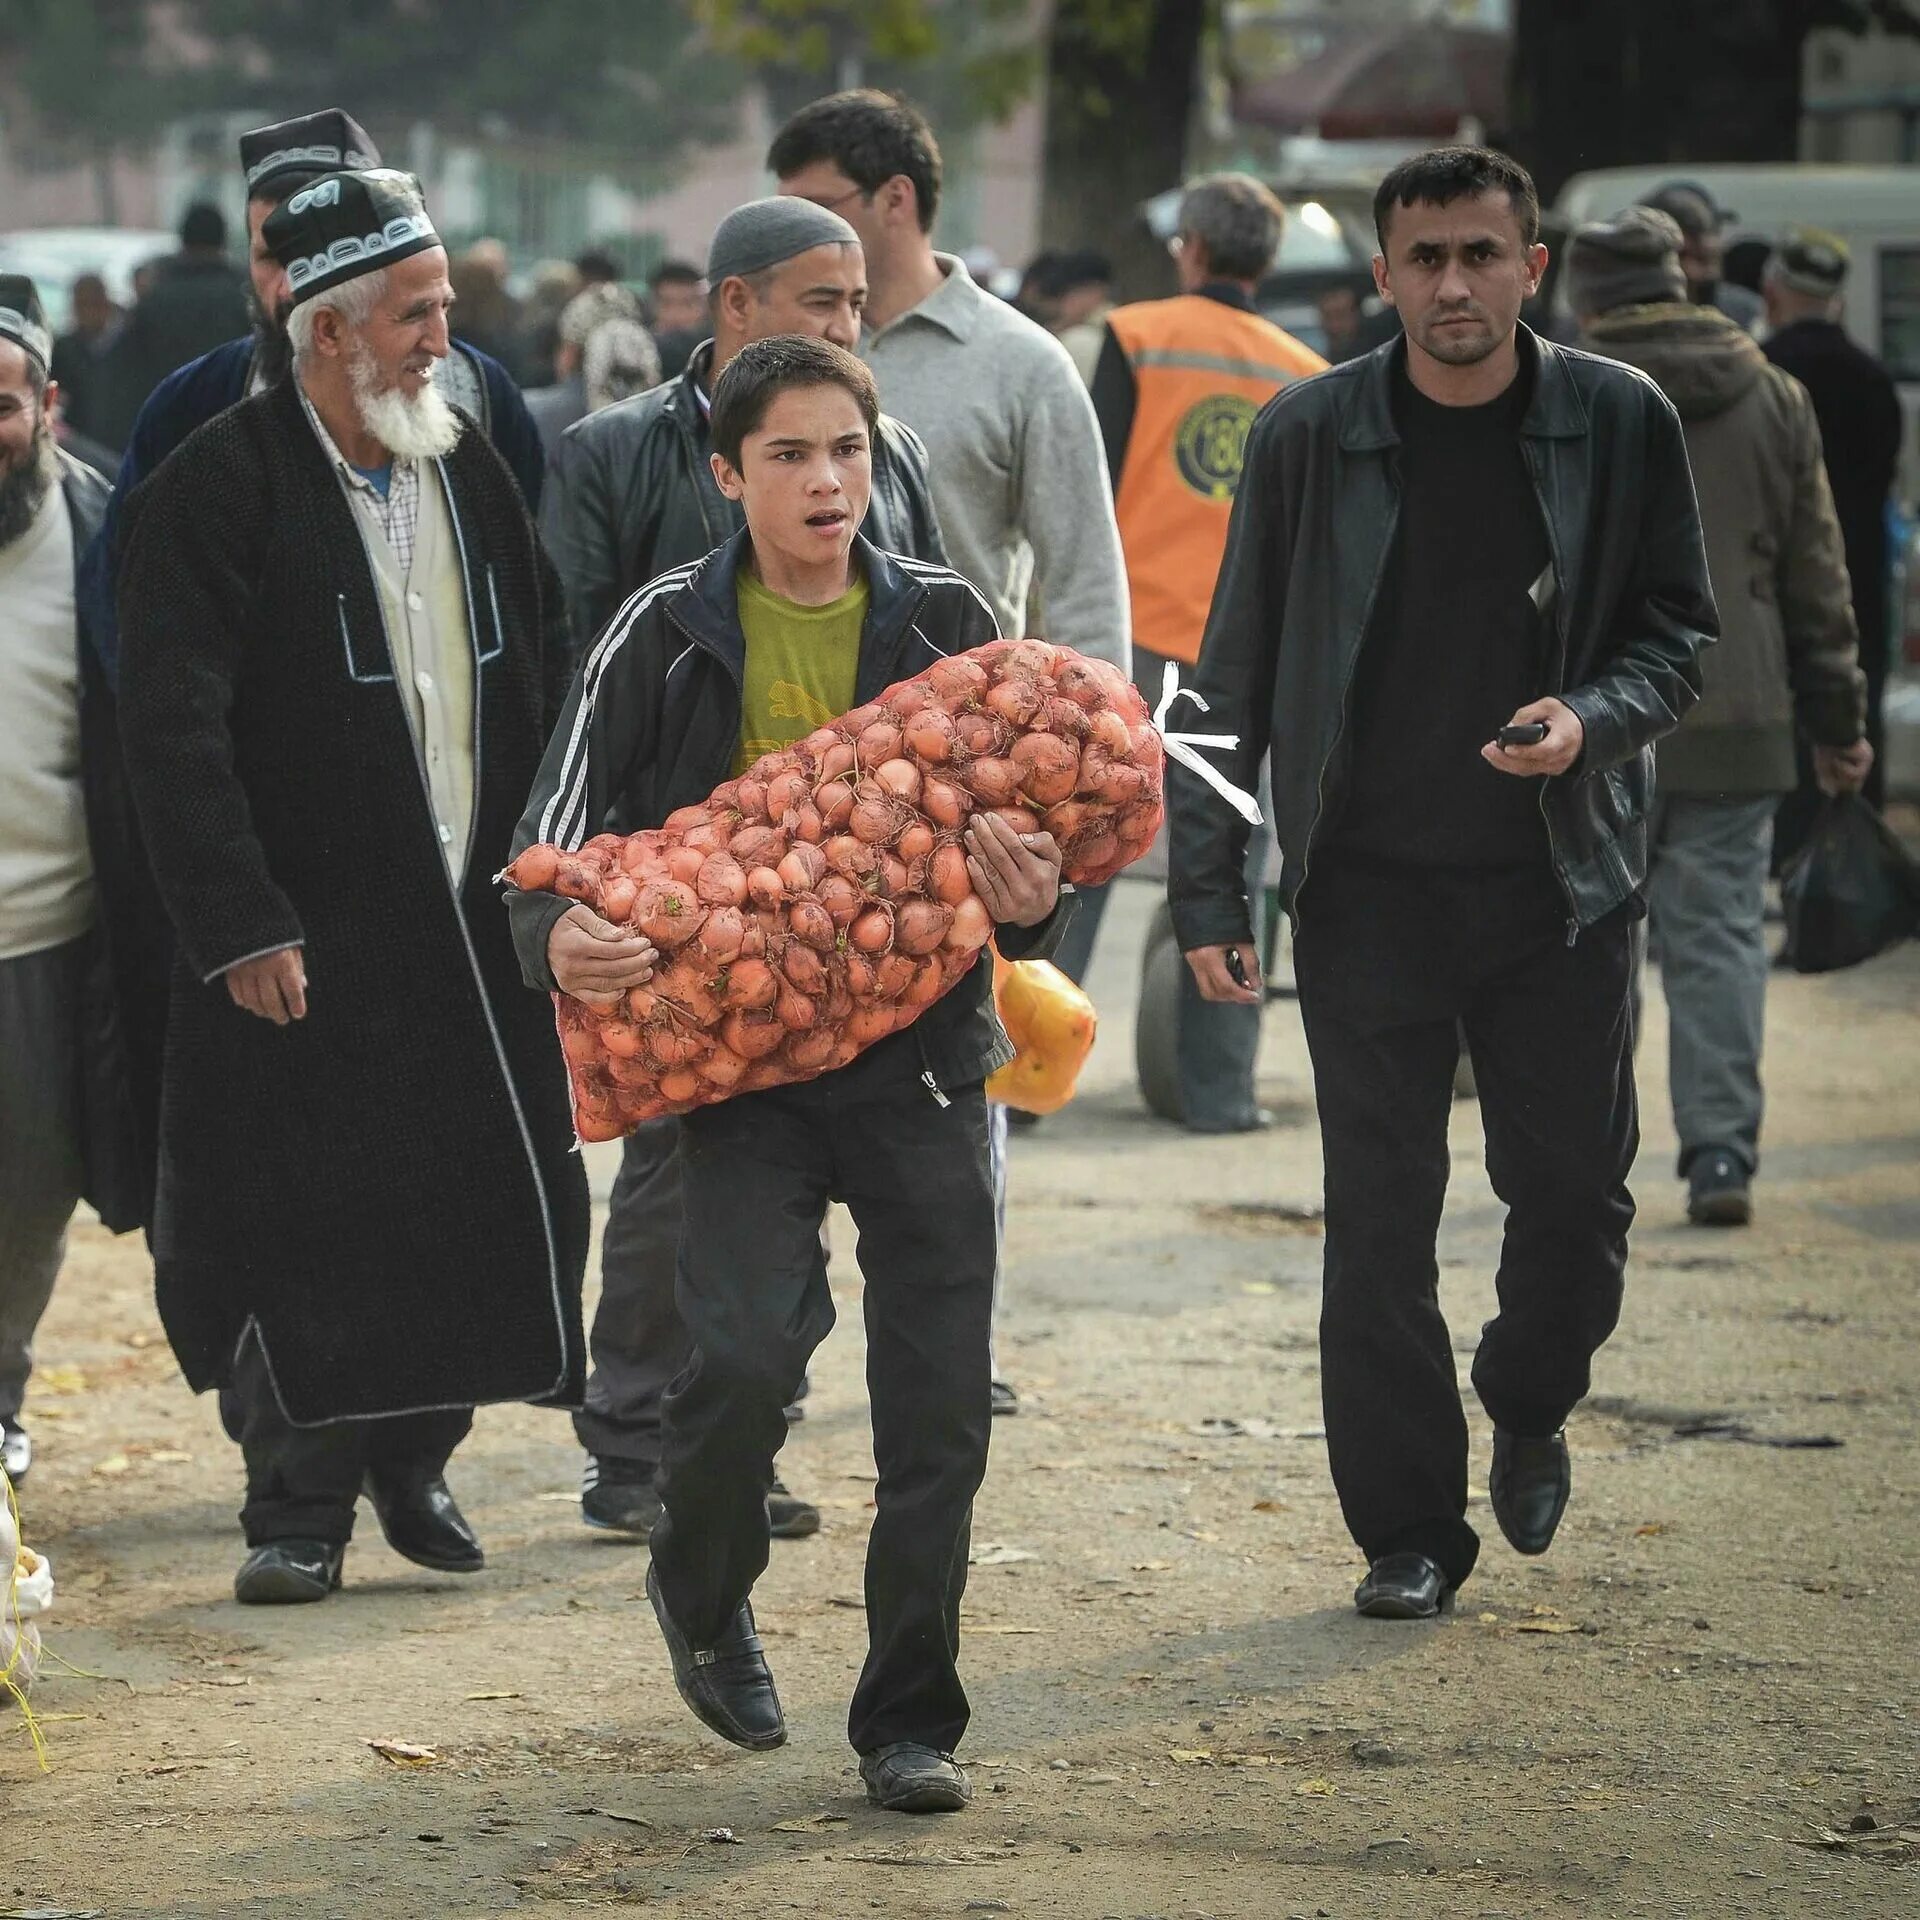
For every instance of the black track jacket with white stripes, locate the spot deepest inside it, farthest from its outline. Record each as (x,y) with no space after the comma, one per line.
(653,722)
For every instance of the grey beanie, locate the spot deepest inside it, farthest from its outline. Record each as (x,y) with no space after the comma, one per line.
(1631,260)
(764,233)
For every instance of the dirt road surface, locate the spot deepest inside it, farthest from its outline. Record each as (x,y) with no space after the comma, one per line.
(1701,1703)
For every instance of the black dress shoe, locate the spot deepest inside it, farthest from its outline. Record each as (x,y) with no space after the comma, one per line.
(423,1525)
(1402,1586)
(1528,1487)
(1719,1189)
(909,1778)
(728,1686)
(788,1516)
(288,1573)
(617,1496)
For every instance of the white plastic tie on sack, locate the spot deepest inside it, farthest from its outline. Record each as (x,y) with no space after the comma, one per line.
(1186,747)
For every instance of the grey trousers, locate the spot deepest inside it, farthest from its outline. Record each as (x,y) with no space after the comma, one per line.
(41,1155)
(1706,898)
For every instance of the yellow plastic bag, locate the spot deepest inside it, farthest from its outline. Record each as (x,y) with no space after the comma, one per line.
(1052,1024)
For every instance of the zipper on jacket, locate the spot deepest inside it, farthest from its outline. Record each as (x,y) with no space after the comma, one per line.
(933,1087)
(1346,689)
(1556,680)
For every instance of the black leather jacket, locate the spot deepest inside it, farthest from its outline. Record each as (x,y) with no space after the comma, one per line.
(1312,533)
(630,495)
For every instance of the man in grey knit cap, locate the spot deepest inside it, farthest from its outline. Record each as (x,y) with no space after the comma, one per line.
(1786,659)
(630,496)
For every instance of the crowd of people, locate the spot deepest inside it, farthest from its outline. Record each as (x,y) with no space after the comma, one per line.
(368,609)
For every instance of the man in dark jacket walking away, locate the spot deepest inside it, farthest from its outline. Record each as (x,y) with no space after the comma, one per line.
(342,649)
(1463,593)
(1786,656)
(631,497)
(1861,428)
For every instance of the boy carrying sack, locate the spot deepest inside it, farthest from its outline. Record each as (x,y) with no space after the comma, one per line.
(795,620)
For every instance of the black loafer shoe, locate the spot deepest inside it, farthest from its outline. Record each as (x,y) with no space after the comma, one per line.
(617,1496)
(788,1516)
(288,1573)
(423,1525)
(909,1778)
(1528,1487)
(1402,1586)
(1719,1189)
(729,1686)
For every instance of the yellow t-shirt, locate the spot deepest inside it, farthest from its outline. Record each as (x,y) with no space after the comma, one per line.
(802,665)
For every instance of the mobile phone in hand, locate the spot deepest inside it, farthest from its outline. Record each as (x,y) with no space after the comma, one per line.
(1237,968)
(1528,735)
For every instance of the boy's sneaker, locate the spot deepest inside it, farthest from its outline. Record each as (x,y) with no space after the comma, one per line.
(788,1516)
(617,1496)
(16,1450)
(1004,1397)
(909,1778)
(1719,1189)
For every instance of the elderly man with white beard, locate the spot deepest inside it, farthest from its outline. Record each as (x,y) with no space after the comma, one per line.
(341,649)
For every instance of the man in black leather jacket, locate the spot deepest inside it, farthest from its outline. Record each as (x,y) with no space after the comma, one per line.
(630,492)
(1465,591)
(631,496)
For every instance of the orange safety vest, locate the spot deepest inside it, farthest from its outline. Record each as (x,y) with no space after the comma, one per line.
(1201,371)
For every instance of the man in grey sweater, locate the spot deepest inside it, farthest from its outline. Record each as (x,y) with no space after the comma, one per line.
(1019,470)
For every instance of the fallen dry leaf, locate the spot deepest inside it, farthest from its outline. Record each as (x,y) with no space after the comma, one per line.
(493,1696)
(1190,1756)
(1650,1529)
(997,1553)
(114,1463)
(813,1822)
(404,1753)
(1152,1566)
(1548,1626)
(1324,1789)
(973,1629)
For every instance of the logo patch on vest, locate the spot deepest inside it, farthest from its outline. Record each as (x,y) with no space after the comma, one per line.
(1210,444)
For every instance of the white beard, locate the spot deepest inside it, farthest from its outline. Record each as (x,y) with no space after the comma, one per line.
(420,427)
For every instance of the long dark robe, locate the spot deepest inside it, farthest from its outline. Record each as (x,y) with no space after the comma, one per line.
(386,1190)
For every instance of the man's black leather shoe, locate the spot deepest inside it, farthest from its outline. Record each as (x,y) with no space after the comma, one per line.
(728,1686)
(288,1573)
(788,1516)
(1402,1586)
(909,1778)
(1528,1486)
(423,1525)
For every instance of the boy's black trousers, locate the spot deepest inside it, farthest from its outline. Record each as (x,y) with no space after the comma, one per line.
(1393,963)
(758,1172)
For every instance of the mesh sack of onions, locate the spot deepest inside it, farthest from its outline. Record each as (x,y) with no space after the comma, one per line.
(821,901)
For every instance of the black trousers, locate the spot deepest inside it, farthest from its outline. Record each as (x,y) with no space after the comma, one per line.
(756,1173)
(1393,964)
(302,1482)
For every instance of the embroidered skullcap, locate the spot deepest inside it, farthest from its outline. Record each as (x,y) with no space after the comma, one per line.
(345,224)
(1811,260)
(326,142)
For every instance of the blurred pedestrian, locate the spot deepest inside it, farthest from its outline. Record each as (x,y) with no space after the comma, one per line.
(633,501)
(1463,594)
(552,284)
(1177,388)
(1703,250)
(64,1114)
(490,316)
(1786,657)
(604,354)
(1079,298)
(80,355)
(197,300)
(1019,475)
(342,651)
(1861,428)
(678,291)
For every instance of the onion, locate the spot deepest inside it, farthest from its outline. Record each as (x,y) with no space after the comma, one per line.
(576,880)
(721,936)
(836,761)
(1015,701)
(909,698)
(930,735)
(1110,730)
(952,883)
(820,741)
(872,930)
(867,1024)
(641,1003)
(707,839)
(1097,853)
(1020,819)
(926,986)
(878,742)
(834,799)
(978,733)
(751,1034)
(807,824)
(992,781)
(668,913)
(874,821)
(794,1010)
(1048,767)
(724,1068)
(851,857)
(901,778)
(804,969)
(957,681)
(1122,783)
(685,819)
(863,980)
(841,898)
(812,923)
(893,974)
(617,896)
(1068,822)
(750,984)
(803,868)
(1063,717)
(722,882)
(920,925)
(752,800)
(972,926)
(785,791)
(943,803)
(891,880)
(536,869)
(1030,659)
(757,846)
(680,1087)
(581,1045)
(915,842)
(765,888)
(809,1053)
(684,863)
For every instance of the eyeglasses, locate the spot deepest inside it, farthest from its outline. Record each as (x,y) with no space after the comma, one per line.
(839,200)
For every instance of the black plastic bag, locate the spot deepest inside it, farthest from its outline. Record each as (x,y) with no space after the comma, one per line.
(1852,891)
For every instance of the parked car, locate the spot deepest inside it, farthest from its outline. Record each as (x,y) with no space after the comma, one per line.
(57,256)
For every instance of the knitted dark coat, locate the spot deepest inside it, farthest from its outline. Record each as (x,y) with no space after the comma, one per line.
(385,1190)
